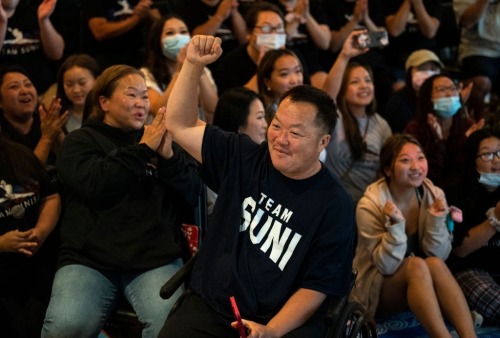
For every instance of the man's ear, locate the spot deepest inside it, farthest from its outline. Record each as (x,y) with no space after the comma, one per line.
(325,139)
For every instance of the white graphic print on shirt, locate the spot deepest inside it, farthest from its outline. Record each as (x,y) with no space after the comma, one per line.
(282,248)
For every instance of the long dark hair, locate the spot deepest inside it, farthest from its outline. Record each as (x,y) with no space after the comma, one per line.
(21,160)
(155,60)
(390,150)
(472,147)
(266,67)
(353,134)
(76,60)
(426,106)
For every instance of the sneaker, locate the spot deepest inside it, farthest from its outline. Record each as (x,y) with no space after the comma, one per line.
(477,319)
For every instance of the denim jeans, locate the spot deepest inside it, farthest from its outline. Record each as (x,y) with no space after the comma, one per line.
(82,298)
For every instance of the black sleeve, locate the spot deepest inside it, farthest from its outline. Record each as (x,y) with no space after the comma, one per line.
(181,174)
(93,173)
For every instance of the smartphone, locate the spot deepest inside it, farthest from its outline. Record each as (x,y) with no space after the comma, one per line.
(376,39)
(241,327)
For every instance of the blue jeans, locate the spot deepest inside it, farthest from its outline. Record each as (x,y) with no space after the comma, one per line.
(82,298)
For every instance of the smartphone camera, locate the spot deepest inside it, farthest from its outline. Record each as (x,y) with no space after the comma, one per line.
(377,39)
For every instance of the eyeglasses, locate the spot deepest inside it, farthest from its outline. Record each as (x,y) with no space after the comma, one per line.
(443,89)
(266,29)
(488,157)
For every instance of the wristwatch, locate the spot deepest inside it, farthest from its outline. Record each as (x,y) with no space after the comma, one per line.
(493,219)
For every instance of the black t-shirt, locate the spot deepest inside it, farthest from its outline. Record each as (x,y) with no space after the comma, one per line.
(339,13)
(269,235)
(235,69)
(195,13)
(302,44)
(473,199)
(22,46)
(411,39)
(400,109)
(30,197)
(30,139)
(123,49)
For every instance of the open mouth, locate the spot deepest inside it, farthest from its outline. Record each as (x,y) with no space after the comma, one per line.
(26,100)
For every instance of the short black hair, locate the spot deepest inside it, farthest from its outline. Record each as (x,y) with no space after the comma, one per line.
(12,69)
(326,115)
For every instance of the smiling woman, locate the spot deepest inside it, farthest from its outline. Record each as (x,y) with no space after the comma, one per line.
(75,79)
(19,120)
(353,154)
(127,107)
(127,189)
(403,240)
(278,71)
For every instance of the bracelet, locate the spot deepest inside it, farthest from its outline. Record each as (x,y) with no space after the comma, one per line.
(493,219)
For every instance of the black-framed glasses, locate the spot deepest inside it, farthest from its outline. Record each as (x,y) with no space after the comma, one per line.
(488,157)
(266,29)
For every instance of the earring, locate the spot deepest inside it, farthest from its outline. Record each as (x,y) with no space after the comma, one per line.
(268,89)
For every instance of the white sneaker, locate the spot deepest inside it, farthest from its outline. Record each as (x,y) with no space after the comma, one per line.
(477,319)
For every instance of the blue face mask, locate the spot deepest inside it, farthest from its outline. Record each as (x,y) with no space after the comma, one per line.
(447,107)
(489,179)
(173,44)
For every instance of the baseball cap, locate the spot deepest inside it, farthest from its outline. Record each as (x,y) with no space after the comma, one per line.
(421,56)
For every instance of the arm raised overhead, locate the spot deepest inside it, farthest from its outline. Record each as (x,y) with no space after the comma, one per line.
(182,107)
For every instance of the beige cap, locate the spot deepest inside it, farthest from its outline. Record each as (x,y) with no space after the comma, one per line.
(420,57)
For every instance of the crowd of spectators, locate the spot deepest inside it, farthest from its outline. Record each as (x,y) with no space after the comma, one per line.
(84,85)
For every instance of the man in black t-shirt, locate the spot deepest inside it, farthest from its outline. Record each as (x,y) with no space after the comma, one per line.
(282,231)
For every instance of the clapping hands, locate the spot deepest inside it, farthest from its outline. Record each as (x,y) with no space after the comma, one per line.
(51,121)
(156,135)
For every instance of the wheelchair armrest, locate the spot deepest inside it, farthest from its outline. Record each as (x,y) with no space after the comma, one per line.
(169,288)
(338,303)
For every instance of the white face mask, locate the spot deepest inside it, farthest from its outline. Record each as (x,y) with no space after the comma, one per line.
(419,76)
(489,179)
(270,41)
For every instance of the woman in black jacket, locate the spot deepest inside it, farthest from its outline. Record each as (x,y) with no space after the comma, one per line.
(125,187)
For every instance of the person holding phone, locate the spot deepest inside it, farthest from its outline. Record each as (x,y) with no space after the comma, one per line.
(280,219)
(353,153)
